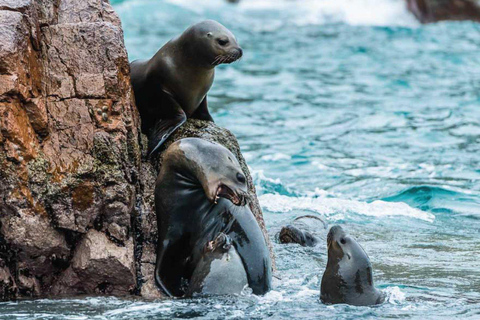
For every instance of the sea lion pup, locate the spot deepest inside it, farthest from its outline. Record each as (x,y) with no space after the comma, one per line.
(172,86)
(348,276)
(293,234)
(201,192)
(219,271)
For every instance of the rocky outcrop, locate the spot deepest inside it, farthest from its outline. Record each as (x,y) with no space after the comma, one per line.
(99,266)
(69,150)
(428,11)
(76,195)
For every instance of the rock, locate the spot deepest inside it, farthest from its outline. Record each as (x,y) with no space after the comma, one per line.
(29,286)
(149,288)
(99,266)
(8,288)
(66,173)
(37,244)
(428,11)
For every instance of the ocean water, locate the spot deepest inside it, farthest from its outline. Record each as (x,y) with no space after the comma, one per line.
(349,110)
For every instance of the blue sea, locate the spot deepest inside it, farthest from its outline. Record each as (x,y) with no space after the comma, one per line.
(345,109)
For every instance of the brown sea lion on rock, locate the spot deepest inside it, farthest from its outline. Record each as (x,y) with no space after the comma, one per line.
(172,86)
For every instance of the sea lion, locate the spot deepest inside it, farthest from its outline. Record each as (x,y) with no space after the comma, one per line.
(219,271)
(172,86)
(293,233)
(201,192)
(348,276)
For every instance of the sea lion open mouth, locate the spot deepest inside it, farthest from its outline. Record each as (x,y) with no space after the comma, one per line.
(238,199)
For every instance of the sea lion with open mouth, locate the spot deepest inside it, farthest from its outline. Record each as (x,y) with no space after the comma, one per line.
(201,192)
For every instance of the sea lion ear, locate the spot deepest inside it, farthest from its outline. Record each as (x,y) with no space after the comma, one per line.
(209,34)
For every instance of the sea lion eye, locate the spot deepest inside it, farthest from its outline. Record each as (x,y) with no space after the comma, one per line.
(343,241)
(222,42)
(209,34)
(240,177)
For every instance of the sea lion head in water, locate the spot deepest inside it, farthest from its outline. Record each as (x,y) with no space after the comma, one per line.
(348,276)
(200,193)
(210,44)
(294,234)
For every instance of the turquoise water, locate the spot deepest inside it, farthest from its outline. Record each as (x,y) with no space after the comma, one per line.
(349,110)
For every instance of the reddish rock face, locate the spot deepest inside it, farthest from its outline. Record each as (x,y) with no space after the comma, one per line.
(76,198)
(69,150)
(428,11)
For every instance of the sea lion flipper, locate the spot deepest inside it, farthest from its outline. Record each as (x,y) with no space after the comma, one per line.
(202,111)
(158,266)
(163,129)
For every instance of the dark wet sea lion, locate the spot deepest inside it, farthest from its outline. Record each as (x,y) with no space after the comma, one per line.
(201,192)
(172,86)
(294,234)
(348,277)
(219,271)
(291,234)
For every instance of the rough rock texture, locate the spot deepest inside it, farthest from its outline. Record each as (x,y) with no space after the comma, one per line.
(69,150)
(428,11)
(100,266)
(76,198)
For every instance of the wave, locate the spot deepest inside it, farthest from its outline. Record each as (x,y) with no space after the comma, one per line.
(439,200)
(341,207)
(316,12)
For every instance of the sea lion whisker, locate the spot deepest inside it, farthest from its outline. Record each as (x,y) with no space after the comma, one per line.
(325,225)
(217,58)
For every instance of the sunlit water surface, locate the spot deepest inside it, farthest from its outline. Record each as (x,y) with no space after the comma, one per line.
(349,110)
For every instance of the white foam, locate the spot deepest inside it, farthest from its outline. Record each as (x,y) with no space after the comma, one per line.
(394,295)
(335,206)
(141,307)
(308,12)
(276,157)
(358,12)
